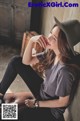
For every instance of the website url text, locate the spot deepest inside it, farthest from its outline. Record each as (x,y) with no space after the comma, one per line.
(52,4)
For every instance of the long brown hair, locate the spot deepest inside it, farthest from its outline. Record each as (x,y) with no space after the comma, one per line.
(65,53)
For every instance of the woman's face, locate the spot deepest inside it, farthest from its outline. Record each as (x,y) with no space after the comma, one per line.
(53,39)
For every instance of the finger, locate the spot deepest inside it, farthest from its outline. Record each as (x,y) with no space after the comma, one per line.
(43,40)
(39,43)
(26,101)
(35,38)
(27,105)
(46,40)
(42,43)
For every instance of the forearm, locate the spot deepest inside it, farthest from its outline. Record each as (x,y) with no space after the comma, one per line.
(61,102)
(52,103)
(28,53)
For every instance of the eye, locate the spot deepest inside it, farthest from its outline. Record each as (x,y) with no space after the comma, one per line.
(53,37)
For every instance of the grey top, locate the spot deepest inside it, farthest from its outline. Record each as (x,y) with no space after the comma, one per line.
(57,83)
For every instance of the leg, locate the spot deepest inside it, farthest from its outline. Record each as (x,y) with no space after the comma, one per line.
(35,114)
(31,78)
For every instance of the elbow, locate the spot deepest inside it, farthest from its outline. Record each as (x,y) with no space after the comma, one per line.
(64,101)
(65,104)
(25,62)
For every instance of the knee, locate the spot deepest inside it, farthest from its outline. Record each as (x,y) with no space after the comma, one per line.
(16,60)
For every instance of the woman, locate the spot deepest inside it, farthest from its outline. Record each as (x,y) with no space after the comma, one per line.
(53,93)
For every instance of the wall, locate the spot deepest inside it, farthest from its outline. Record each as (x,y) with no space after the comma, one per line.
(61,13)
(47,22)
(15,16)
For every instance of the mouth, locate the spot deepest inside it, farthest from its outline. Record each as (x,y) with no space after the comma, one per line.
(47,43)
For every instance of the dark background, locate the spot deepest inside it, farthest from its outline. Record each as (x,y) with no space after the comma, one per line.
(16,18)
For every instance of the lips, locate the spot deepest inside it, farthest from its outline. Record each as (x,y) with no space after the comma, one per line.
(47,43)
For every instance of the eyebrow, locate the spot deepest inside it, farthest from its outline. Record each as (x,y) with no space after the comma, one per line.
(55,36)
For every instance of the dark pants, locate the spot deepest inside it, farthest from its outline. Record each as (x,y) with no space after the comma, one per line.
(42,114)
(33,81)
(31,78)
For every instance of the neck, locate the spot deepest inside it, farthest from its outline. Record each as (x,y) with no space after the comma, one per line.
(57,58)
(57,53)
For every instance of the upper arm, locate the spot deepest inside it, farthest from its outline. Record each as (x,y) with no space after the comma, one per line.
(64,100)
(65,81)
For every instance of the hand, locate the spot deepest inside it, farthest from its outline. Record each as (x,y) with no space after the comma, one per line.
(30,103)
(41,40)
